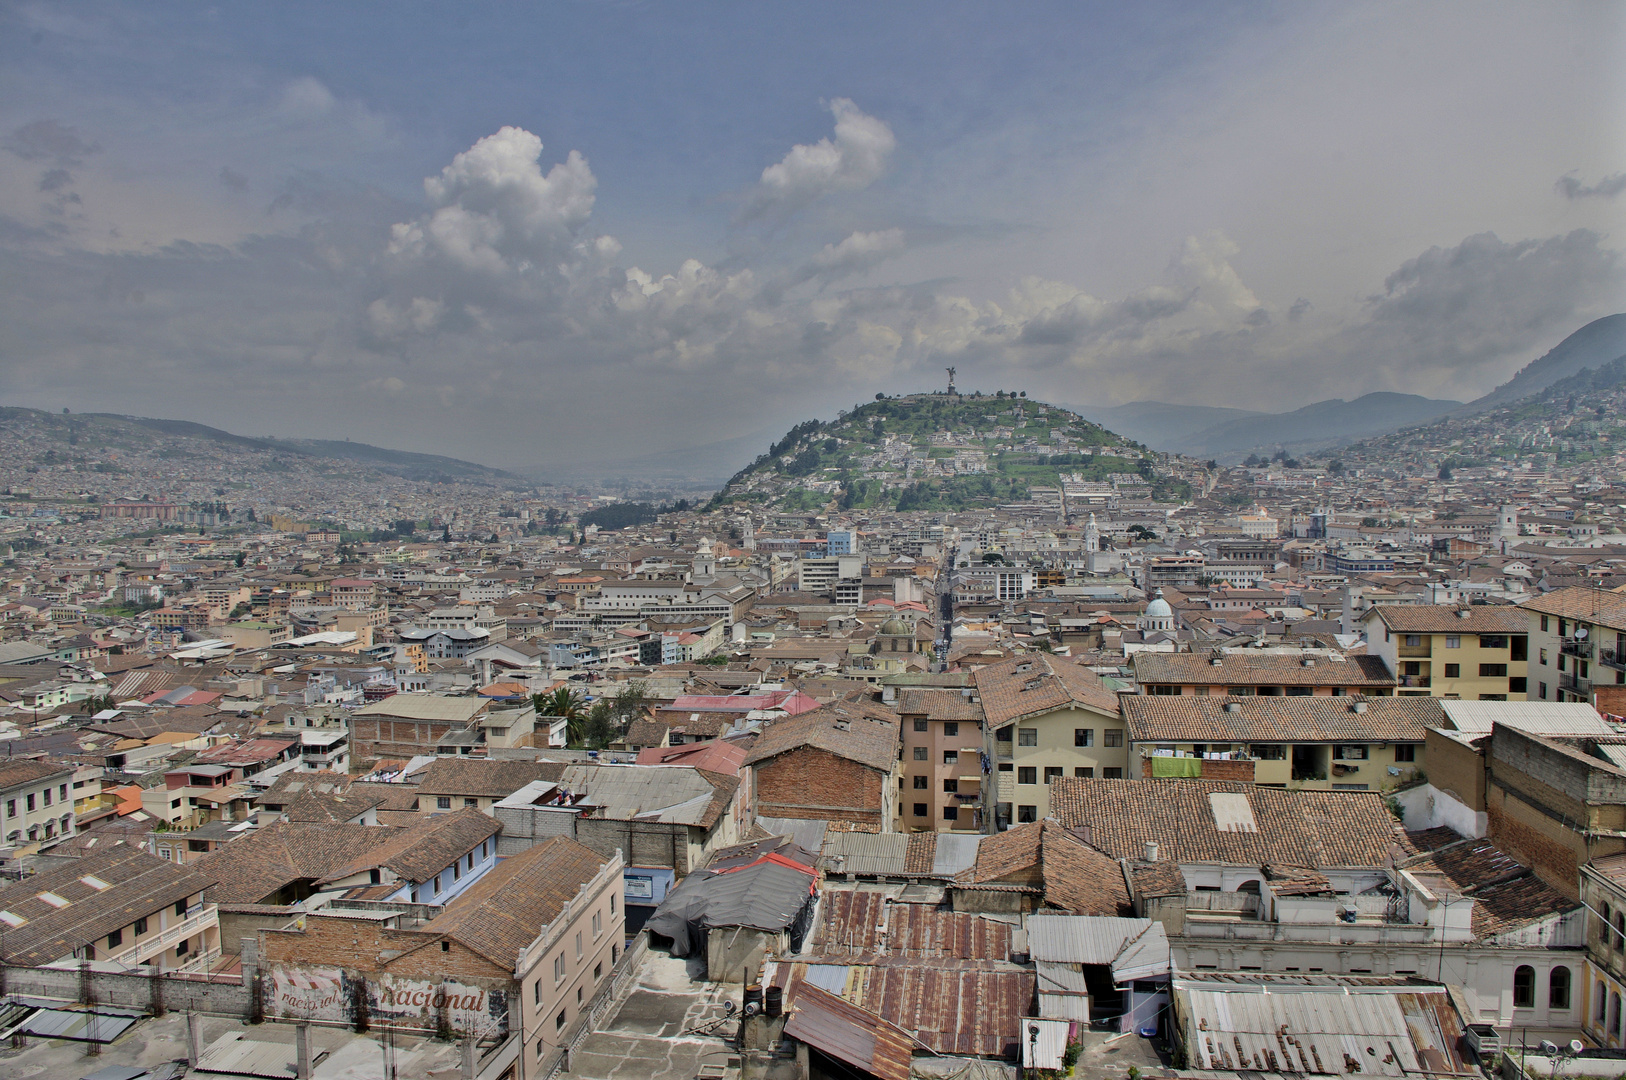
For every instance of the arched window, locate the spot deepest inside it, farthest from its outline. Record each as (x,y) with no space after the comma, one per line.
(1558,988)
(1620,929)
(1607,918)
(1614,1016)
(1524,987)
(1600,1003)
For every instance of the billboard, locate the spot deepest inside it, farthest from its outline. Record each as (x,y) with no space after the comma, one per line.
(332,995)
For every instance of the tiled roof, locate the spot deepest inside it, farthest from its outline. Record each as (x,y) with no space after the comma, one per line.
(861,925)
(1597,606)
(248,870)
(1036,683)
(1187,718)
(920,856)
(1213,821)
(30,771)
(855,730)
(1507,894)
(1073,875)
(504,911)
(137,884)
(1451,619)
(483,778)
(939,705)
(418,852)
(1249,669)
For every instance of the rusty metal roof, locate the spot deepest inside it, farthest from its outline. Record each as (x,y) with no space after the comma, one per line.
(844,1031)
(857,924)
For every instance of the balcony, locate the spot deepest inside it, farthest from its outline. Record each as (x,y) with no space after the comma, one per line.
(199,920)
(1574,647)
(1415,681)
(1416,652)
(1615,658)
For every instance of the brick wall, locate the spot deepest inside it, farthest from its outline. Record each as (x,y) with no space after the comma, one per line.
(382,736)
(1455,768)
(1214,770)
(358,944)
(812,783)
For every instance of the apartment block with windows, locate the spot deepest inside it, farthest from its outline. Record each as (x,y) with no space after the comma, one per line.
(1046,717)
(942,788)
(1577,641)
(1472,653)
(36,803)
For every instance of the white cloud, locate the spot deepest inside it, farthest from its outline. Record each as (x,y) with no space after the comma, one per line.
(857,252)
(853,159)
(307,97)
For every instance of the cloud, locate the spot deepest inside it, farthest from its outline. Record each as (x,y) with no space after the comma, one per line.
(853,159)
(233,180)
(495,211)
(1571,188)
(307,97)
(48,140)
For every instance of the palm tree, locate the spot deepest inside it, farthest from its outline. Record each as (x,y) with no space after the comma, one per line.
(564,702)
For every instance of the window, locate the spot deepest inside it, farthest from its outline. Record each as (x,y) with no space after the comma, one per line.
(471,802)
(1051,772)
(1027,774)
(1541,691)
(1003,734)
(1405,752)
(141,926)
(1412,640)
(1112,736)
(951,757)
(1005,766)
(598,972)
(951,729)
(921,809)
(1524,987)
(457,870)
(1517,684)
(612,904)
(1083,736)
(1518,647)
(443,802)
(184,947)
(11,807)
(536,992)
(1028,736)
(1351,753)
(920,754)
(1542,657)
(62,792)
(1267,751)
(922,725)
(1452,641)
(1558,988)
(559,968)
(598,923)
(1084,772)
(115,939)
(559,1021)
(180,907)
(31,801)
(951,813)
(578,944)
(578,995)
(1453,671)
(47,796)
(1493,671)
(1025,814)
(1112,772)
(1493,641)
(1620,929)
(1544,624)
(921,783)
(952,787)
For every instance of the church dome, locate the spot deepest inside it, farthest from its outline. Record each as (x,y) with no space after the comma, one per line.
(1159,608)
(896,627)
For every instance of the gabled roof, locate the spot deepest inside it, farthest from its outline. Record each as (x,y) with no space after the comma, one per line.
(483,778)
(1239,668)
(100,893)
(248,870)
(1597,606)
(836,1027)
(855,730)
(1186,718)
(1213,821)
(419,851)
(30,771)
(1450,619)
(502,913)
(1071,874)
(1038,683)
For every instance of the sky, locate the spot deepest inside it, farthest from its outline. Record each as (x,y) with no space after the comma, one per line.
(570,234)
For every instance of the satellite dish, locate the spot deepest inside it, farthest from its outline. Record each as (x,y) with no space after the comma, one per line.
(1576,1046)
(1580,633)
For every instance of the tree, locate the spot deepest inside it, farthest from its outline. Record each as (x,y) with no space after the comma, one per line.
(563,702)
(1444,473)
(1336,467)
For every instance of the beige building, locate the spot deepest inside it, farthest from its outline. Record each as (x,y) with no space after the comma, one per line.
(1312,743)
(1046,718)
(1469,652)
(1577,643)
(36,803)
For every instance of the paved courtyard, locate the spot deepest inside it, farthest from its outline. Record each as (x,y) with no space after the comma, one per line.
(660,1031)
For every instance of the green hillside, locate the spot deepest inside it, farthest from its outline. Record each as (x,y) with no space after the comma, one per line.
(941,452)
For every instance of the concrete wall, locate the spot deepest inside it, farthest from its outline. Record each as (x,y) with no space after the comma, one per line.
(1552,808)
(1427,807)
(153,993)
(235,926)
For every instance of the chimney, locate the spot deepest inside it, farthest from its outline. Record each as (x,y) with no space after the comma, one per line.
(1359,706)
(1233,706)
(1465,613)
(1150,853)
(1308,661)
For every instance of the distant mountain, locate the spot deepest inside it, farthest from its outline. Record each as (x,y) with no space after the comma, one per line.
(111,429)
(940,452)
(1593,346)
(1159,424)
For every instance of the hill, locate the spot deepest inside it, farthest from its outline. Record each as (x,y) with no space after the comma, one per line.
(1593,346)
(944,452)
(1232,434)
(1577,420)
(109,431)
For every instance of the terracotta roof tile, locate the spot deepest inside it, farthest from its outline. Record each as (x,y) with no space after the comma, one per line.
(1598,606)
(1037,683)
(1187,718)
(1451,619)
(1250,669)
(856,730)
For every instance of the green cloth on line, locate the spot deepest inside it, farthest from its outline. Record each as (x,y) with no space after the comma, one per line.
(1177,766)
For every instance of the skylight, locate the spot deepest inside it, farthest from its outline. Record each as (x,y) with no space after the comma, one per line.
(94,882)
(11,920)
(53,899)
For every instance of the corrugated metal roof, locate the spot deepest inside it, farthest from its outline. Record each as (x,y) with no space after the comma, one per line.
(1043,1042)
(861,923)
(1535,717)
(1080,939)
(848,1033)
(955,852)
(1368,1030)
(865,853)
(806,834)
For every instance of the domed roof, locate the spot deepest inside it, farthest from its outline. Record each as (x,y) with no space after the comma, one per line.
(1159,608)
(896,627)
